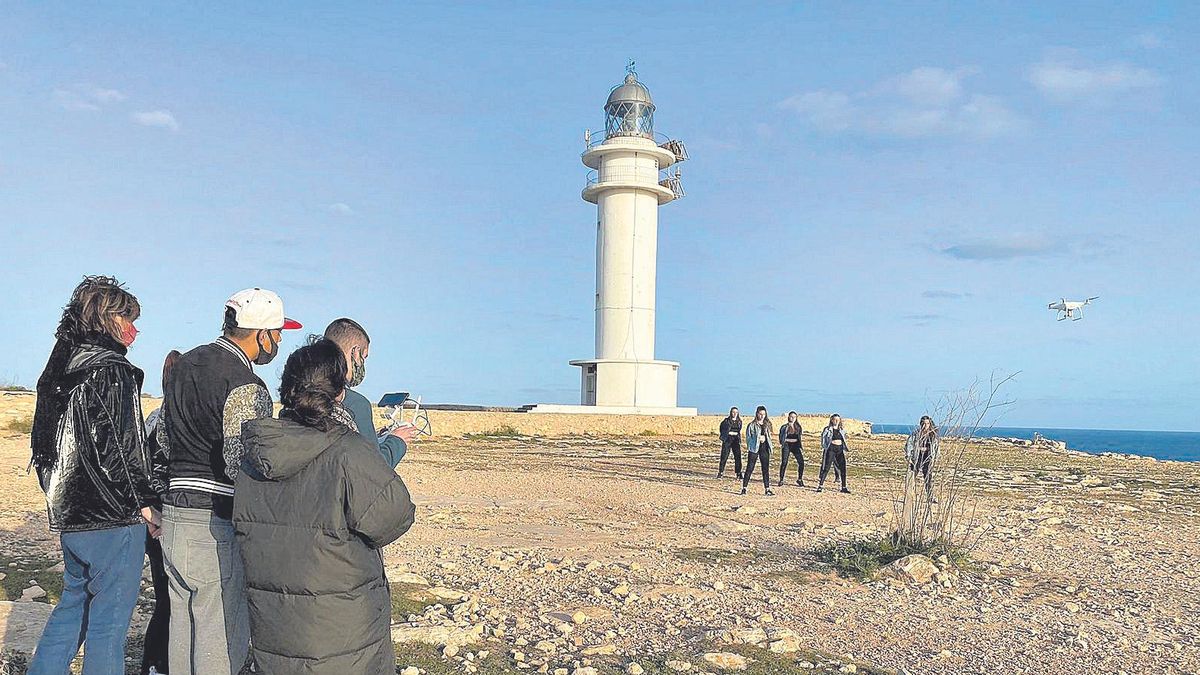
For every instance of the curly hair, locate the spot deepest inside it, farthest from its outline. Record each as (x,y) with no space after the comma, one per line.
(313,378)
(94,307)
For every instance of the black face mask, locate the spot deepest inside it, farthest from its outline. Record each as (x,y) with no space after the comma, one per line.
(264,357)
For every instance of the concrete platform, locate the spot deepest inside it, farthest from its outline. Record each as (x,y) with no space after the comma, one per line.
(563,409)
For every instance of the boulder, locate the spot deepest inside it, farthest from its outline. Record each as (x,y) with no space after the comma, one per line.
(438,636)
(21,624)
(726,660)
(915,569)
(787,644)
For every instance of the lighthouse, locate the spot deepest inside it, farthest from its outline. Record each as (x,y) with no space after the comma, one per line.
(633,172)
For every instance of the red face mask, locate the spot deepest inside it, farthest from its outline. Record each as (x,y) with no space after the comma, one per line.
(129,334)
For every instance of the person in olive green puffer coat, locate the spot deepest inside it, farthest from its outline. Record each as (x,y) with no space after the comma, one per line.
(314,504)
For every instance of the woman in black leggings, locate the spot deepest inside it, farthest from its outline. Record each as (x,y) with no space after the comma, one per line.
(758,447)
(833,446)
(731,441)
(789,444)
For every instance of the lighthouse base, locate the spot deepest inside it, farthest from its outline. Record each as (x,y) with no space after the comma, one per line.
(629,387)
(561,409)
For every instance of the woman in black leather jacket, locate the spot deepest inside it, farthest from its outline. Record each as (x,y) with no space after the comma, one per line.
(89,450)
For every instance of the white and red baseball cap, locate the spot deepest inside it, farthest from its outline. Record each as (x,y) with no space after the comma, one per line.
(257,308)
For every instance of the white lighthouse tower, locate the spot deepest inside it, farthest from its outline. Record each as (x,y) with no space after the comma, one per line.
(630,179)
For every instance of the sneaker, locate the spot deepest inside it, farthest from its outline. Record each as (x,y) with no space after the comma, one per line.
(720,474)
(933,500)
(847,491)
(779,484)
(820,489)
(739,476)
(742,492)
(769,493)
(799,483)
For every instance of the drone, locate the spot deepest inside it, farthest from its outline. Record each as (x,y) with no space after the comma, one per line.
(1070,309)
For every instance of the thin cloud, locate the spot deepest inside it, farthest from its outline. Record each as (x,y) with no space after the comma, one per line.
(1148,40)
(922,319)
(944,295)
(1005,248)
(86,98)
(162,119)
(1063,78)
(341,208)
(923,102)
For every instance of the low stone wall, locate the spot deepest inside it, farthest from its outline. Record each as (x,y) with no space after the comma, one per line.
(448,423)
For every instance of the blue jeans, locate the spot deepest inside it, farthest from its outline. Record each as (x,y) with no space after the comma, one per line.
(102,573)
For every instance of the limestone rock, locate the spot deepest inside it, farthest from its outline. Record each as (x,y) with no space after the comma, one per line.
(600,650)
(678,666)
(438,636)
(785,645)
(634,668)
(32,593)
(21,625)
(411,670)
(915,568)
(447,596)
(409,578)
(726,660)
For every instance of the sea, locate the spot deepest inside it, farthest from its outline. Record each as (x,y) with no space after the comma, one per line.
(1177,445)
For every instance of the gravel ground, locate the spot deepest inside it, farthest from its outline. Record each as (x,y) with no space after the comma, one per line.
(564,554)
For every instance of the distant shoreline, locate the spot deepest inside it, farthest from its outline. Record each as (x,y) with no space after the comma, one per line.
(1162,445)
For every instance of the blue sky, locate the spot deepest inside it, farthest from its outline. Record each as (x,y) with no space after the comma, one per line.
(882,198)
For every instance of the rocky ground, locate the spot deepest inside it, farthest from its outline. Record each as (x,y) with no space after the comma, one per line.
(608,554)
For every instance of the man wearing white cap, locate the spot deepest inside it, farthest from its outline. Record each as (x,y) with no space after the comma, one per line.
(212,392)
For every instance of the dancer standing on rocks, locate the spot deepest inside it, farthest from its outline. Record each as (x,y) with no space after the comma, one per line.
(89,451)
(921,450)
(790,444)
(731,441)
(758,447)
(833,449)
(315,504)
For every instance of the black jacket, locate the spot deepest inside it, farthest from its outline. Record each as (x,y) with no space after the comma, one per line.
(731,430)
(311,511)
(213,391)
(88,441)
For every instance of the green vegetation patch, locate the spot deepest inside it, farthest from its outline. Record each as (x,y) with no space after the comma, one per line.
(759,662)
(429,659)
(862,558)
(502,431)
(722,556)
(410,599)
(38,568)
(22,425)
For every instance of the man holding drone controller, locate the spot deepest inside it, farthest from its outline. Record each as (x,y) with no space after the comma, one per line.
(356,345)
